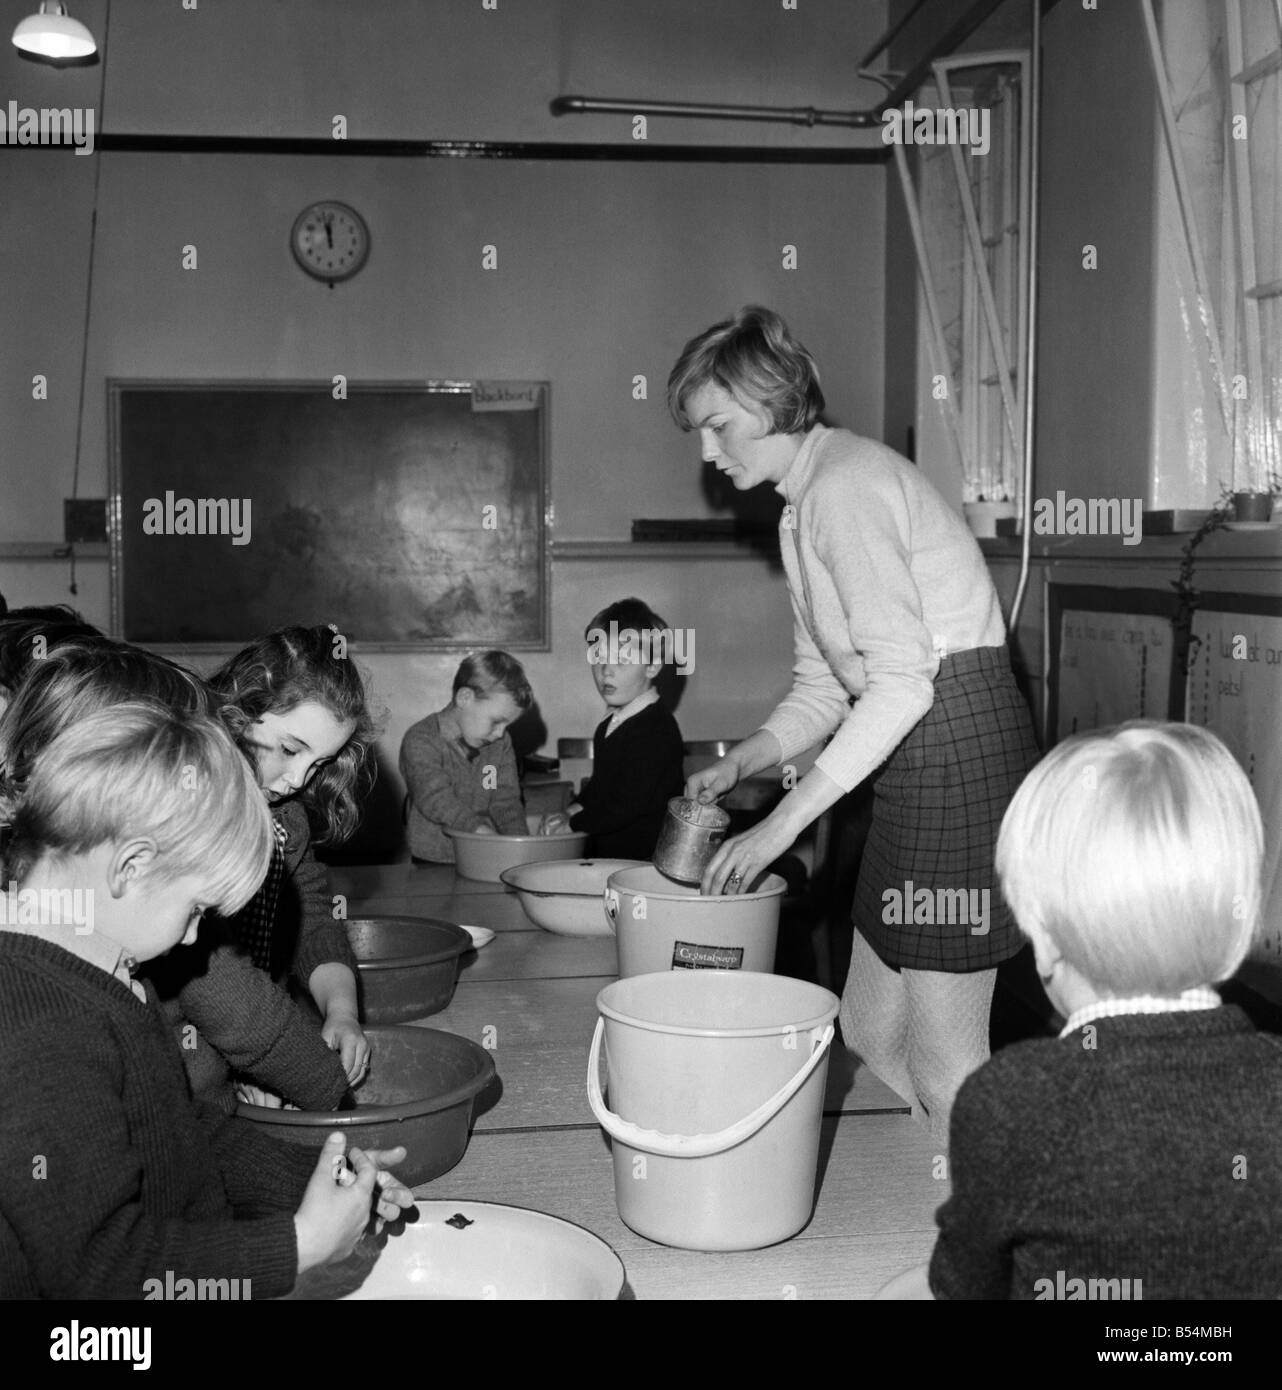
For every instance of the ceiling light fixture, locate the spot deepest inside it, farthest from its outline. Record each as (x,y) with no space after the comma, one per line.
(53,35)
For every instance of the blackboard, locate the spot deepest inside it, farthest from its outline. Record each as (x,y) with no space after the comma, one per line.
(405,514)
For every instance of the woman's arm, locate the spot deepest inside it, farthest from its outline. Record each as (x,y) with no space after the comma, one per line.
(750,854)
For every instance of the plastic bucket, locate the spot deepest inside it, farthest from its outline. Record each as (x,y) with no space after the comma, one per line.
(661,925)
(716,1084)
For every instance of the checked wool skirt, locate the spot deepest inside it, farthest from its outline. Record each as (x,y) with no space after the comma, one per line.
(938,803)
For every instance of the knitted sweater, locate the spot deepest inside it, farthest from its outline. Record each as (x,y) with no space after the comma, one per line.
(636,770)
(230,1016)
(1142,1147)
(448,787)
(109,1175)
(243,1021)
(885,578)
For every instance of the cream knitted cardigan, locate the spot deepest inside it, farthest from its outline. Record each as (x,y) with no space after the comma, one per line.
(885,579)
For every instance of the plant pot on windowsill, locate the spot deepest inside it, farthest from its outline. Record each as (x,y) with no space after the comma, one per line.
(1252,506)
(982,517)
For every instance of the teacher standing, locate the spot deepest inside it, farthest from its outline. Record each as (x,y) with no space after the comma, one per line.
(901,650)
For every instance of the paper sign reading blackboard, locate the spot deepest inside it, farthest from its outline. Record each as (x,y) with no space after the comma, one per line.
(507,395)
(1235,689)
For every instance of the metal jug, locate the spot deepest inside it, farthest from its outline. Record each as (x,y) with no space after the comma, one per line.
(689,838)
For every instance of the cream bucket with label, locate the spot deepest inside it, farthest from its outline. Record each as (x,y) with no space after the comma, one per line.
(661,925)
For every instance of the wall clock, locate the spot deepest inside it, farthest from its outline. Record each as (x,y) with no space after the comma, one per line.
(330,241)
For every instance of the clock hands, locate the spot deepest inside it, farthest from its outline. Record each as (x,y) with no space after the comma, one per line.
(329,231)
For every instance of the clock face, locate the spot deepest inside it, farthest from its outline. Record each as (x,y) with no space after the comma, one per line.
(330,241)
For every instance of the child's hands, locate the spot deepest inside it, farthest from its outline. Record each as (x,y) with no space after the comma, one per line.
(344,1035)
(255,1095)
(484,826)
(335,1209)
(554,823)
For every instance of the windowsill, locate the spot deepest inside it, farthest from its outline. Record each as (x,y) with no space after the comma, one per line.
(1229,546)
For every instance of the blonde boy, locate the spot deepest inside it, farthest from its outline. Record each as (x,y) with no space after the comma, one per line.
(1136,1156)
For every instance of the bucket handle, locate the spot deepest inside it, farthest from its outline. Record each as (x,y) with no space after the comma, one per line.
(693,1145)
(610,901)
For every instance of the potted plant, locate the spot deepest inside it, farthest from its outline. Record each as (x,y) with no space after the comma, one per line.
(983,513)
(1255,505)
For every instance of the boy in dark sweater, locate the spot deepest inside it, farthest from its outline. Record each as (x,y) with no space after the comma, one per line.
(113,1183)
(637,754)
(1136,1156)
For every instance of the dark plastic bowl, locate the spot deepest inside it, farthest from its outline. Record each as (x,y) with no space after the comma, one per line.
(407,966)
(420,1092)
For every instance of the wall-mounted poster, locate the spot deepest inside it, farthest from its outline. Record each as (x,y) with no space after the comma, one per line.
(405,514)
(1113,657)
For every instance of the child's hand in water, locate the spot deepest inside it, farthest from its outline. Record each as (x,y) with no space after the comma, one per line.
(484,826)
(345,1036)
(255,1095)
(338,1202)
(554,823)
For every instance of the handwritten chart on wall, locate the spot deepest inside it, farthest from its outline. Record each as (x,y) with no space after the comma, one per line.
(406,514)
(1235,688)
(1113,654)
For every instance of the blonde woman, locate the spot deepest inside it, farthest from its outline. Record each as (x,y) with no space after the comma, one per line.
(901,657)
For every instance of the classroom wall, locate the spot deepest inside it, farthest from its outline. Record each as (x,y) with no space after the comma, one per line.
(604,270)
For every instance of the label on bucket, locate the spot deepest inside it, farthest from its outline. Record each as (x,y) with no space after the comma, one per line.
(687,956)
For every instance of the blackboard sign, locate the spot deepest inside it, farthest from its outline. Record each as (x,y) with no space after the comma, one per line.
(405,514)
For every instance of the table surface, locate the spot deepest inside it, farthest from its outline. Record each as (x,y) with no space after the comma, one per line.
(531,997)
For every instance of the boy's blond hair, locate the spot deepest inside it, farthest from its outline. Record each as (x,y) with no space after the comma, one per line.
(141,770)
(1137,850)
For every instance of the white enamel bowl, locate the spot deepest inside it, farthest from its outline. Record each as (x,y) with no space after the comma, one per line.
(459,1250)
(567,896)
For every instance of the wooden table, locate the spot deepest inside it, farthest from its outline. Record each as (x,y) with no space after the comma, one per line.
(531,996)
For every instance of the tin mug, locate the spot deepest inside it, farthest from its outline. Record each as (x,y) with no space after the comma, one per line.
(689,838)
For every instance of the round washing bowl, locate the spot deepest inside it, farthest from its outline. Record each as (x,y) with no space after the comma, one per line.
(486,856)
(420,1092)
(566,896)
(407,967)
(473,1250)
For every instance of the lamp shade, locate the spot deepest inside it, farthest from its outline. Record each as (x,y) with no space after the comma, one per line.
(53,34)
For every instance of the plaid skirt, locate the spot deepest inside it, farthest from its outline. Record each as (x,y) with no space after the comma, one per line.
(927,895)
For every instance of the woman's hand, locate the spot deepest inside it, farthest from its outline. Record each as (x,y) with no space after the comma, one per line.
(344,1035)
(739,862)
(709,783)
(335,1210)
(554,823)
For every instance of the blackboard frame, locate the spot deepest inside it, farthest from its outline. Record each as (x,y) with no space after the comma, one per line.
(119,557)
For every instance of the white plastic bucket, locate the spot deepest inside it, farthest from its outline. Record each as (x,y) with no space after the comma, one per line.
(661,925)
(716,1083)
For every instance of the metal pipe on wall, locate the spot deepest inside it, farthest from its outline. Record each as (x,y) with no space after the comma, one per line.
(1030,339)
